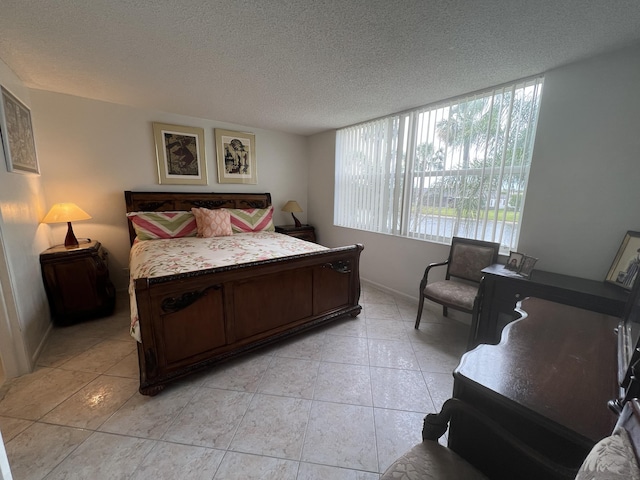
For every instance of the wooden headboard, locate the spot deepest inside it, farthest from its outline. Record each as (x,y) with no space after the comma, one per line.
(179,201)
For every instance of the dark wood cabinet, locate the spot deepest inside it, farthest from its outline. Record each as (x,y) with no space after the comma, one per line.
(77,282)
(501,289)
(304,232)
(548,382)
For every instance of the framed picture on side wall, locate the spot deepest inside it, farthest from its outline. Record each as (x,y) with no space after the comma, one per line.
(180,154)
(236,152)
(17,134)
(626,264)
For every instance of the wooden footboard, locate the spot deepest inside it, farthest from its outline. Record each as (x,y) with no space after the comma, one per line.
(191,321)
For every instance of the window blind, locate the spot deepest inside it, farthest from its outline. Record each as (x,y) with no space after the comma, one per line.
(456,168)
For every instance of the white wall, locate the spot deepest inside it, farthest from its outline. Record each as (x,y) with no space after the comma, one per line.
(91,152)
(583,193)
(584,188)
(24,313)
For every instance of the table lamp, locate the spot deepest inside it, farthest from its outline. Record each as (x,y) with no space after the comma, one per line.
(292,206)
(66,212)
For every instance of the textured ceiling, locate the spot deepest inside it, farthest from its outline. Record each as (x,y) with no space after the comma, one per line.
(300,66)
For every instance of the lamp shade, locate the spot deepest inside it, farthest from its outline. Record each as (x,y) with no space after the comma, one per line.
(65,212)
(291,206)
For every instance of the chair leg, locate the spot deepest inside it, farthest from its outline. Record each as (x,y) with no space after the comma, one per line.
(445,311)
(420,305)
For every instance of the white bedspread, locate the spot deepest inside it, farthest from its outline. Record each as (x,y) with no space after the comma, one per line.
(157,258)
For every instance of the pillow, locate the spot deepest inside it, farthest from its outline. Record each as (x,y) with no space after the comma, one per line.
(612,458)
(212,223)
(252,220)
(156,225)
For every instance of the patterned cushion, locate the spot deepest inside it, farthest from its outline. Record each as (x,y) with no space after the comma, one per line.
(612,458)
(430,460)
(252,220)
(213,223)
(467,261)
(155,225)
(453,293)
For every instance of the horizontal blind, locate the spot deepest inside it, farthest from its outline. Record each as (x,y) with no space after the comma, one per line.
(457,168)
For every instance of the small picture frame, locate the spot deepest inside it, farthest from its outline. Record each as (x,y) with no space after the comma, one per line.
(17,134)
(626,264)
(526,265)
(514,262)
(180,154)
(236,155)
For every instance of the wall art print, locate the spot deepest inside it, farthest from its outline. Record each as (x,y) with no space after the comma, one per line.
(16,131)
(180,154)
(236,152)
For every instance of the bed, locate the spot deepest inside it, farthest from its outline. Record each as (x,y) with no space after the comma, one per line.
(186,321)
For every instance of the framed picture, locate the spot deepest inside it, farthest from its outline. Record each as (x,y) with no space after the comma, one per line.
(17,135)
(626,264)
(515,259)
(180,154)
(526,265)
(236,152)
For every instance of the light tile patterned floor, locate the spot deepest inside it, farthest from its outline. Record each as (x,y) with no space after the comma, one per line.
(339,402)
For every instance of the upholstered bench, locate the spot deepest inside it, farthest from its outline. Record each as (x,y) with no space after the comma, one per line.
(613,458)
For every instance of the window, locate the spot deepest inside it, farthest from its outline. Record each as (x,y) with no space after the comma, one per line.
(457,168)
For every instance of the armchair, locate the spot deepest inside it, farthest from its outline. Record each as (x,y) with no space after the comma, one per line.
(466,260)
(613,458)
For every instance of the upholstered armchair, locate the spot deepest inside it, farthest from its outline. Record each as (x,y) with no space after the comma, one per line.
(464,267)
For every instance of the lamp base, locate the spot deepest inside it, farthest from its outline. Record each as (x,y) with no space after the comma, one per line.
(296,221)
(70,241)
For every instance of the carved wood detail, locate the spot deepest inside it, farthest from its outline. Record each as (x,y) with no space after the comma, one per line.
(339,266)
(175,304)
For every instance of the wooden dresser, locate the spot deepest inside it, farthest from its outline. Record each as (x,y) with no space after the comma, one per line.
(548,382)
(501,289)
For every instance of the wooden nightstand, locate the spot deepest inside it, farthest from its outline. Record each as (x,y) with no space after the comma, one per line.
(303,232)
(77,282)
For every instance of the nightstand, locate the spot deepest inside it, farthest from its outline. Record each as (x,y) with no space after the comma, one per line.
(303,232)
(77,282)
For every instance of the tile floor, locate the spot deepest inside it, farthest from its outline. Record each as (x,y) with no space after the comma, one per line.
(340,402)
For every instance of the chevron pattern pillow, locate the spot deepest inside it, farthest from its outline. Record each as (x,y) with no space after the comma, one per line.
(157,225)
(252,219)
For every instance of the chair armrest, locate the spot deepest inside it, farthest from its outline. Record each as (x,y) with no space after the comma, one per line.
(423,283)
(435,425)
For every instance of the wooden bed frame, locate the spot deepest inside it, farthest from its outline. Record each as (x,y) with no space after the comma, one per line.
(196,319)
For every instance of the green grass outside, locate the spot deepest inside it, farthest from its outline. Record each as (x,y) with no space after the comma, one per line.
(452,212)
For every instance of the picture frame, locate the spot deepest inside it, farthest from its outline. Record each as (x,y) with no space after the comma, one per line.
(526,265)
(236,157)
(16,131)
(514,261)
(626,264)
(180,154)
